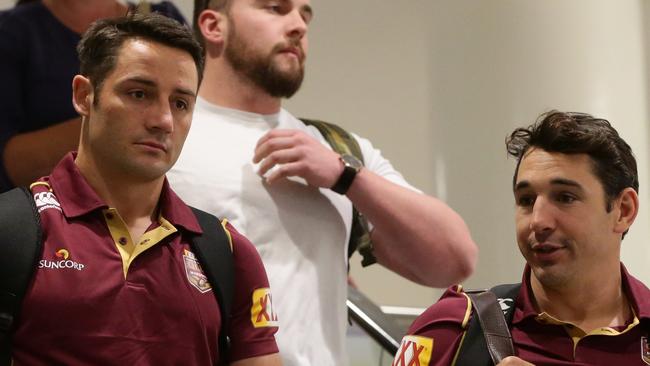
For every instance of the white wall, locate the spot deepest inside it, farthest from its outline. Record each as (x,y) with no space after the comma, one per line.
(496,65)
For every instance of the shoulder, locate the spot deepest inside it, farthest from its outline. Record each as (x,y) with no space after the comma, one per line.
(23,17)
(453,308)
(639,295)
(14,22)
(25,27)
(322,130)
(168,9)
(247,259)
(35,8)
(434,337)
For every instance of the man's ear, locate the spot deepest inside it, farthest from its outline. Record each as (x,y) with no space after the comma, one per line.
(82,95)
(213,26)
(626,207)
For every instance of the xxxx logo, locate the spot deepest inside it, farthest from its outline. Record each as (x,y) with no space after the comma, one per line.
(262,314)
(414,351)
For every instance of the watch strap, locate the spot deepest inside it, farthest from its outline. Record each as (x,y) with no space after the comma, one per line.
(345,180)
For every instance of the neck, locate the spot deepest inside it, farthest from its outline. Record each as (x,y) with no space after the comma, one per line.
(78,15)
(588,304)
(224,86)
(136,201)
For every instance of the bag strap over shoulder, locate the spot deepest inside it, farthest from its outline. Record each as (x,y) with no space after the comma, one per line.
(214,252)
(343,142)
(339,139)
(20,246)
(495,330)
(488,340)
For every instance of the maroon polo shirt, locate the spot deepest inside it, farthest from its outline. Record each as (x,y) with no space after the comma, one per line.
(100,297)
(436,335)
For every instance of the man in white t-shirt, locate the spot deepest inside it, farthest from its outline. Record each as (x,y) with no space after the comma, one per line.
(250,161)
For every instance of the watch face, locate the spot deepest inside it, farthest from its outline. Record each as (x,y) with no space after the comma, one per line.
(351,161)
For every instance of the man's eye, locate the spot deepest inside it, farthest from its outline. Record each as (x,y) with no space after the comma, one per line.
(525,201)
(181,104)
(566,198)
(137,94)
(274,8)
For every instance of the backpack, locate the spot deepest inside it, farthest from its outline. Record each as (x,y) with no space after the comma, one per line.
(489,321)
(343,142)
(21,246)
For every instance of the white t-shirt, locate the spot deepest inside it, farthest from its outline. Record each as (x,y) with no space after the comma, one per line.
(301,232)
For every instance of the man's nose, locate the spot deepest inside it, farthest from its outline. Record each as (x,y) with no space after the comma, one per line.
(161,117)
(543,216)
(297,24)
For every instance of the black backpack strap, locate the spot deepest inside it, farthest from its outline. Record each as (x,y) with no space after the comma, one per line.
(343,142)
(473,350)
(20,246)
(214,252)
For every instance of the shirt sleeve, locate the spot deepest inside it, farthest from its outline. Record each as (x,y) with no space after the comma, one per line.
(375,162)
(253,321)
(435,336)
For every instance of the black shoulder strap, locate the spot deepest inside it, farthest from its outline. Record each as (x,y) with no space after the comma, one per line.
(214,252)
(473,349)
(20,246)
(343,142)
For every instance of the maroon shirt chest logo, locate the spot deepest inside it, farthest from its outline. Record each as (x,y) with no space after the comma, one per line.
(194,273)
(645,350)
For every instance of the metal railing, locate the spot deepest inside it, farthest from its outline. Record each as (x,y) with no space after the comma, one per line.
(380,326)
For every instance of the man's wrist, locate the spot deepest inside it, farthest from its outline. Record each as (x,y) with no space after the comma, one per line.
(351,167)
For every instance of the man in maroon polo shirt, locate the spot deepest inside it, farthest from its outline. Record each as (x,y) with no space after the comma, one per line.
(575,189)
(118,283)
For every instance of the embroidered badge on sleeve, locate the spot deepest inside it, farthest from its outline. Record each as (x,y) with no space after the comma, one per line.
(414,351)
(262,314)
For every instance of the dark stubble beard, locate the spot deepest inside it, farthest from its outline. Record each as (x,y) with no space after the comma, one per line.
(261,69)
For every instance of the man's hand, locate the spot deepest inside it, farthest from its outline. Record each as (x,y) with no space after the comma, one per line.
(514,361)
(295,153)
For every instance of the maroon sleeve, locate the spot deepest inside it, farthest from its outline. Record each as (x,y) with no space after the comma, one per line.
(435,336)
(253,322)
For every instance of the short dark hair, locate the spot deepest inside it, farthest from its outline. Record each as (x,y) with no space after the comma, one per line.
(100,44)
(199,6)
(579,133)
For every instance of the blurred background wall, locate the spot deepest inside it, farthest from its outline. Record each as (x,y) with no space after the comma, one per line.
(438,84)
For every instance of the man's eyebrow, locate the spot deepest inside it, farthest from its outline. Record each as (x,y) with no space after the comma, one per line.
(566,182)
(521,185)
(139,80)
(185,92)
(151,83)
(524,184)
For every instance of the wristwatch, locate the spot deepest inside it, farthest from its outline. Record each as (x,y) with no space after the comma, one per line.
(351,166)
